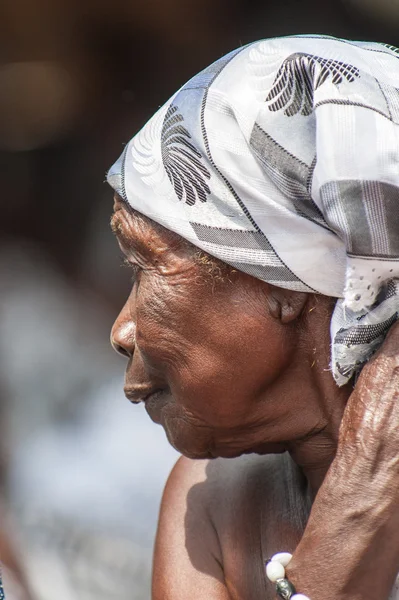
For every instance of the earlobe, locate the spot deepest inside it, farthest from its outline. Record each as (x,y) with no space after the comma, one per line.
(285,305)
(293,306)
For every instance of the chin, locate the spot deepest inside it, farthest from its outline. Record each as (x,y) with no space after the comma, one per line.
(195,444)
(189,442)
(189,448)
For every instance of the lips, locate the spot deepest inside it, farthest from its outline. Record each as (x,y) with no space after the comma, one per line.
(154,399)
(140,393)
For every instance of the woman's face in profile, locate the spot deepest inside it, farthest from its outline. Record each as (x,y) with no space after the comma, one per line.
(201,352)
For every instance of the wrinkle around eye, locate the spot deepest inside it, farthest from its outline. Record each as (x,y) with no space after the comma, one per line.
(135,268)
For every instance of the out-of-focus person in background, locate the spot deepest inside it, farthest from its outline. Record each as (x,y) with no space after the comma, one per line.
(82,506)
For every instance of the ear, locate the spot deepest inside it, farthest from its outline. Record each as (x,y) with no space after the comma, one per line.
(286,305)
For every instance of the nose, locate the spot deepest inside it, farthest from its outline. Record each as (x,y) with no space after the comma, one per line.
(123,335)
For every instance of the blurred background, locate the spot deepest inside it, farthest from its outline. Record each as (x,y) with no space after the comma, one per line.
(81,470)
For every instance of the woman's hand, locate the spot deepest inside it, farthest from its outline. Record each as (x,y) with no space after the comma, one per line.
(350,548)
(368,447)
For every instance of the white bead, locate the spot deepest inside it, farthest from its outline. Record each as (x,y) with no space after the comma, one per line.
(299,597)
(283,558)
(275,570)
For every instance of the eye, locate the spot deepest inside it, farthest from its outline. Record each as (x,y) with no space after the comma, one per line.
(134,267)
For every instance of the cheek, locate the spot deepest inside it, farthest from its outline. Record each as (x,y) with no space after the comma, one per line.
(221,384)
(160,313)
(217,356)
(228,366)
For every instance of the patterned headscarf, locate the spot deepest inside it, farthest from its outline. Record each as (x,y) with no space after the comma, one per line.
(282,160)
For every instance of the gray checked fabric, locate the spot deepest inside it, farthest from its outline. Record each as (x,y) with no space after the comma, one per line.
(282,159)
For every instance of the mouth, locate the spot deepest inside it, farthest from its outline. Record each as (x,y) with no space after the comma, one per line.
(154,399)
(138,394)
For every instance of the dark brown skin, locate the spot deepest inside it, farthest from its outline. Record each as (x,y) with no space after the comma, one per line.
(230,367)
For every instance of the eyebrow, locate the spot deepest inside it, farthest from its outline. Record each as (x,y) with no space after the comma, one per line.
(114,226)
(134,243)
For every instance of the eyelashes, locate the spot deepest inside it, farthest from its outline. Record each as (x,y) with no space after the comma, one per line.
(132,267)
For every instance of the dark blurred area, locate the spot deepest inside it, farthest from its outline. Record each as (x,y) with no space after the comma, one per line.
(80,486)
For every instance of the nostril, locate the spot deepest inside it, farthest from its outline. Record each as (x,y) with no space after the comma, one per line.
(122,337)
(121,350)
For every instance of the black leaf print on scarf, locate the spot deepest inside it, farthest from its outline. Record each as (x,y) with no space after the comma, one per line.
(182,160)
(390,47)
(298,77)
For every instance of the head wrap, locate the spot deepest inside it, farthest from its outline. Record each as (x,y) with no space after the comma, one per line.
(282,160)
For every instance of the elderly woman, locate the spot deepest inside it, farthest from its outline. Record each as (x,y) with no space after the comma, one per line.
(258,210)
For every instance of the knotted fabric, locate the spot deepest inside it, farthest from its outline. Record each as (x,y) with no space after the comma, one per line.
(282,160)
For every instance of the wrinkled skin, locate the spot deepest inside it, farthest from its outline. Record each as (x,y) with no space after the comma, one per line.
(231,366)
(229,358)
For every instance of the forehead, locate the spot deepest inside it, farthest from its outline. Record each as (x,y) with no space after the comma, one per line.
(132,228)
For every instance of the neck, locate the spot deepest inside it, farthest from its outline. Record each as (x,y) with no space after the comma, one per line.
(315,451)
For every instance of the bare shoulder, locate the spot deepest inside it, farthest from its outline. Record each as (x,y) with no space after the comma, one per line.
(187,558)
(210,489)
(213,529)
